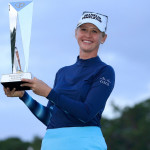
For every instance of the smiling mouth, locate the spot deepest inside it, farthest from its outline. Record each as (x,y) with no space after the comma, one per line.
(89,42)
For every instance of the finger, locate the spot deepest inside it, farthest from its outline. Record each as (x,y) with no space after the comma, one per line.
(13,90)
(26,84)
(4,89)
(7,90)
(27,80)
(35,78)
(11,93)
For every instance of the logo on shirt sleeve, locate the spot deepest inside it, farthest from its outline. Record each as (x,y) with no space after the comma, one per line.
(105,81)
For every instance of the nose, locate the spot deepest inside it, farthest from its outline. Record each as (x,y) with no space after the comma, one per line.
(88,33)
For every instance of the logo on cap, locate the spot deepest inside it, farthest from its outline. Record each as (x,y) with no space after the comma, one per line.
(92,16)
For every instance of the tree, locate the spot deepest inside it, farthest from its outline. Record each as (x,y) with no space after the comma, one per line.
(13,144)
(131,131)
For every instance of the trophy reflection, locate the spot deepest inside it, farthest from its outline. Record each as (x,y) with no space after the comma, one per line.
(17,62)
(20,16)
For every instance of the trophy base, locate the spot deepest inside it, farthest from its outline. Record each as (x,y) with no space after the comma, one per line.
(14,81)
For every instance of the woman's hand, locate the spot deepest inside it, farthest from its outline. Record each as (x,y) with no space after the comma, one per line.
(13,93)
(37,86)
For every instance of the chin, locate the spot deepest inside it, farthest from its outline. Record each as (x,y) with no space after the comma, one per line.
(87,51)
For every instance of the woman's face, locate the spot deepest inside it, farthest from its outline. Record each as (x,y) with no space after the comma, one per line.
(89,38)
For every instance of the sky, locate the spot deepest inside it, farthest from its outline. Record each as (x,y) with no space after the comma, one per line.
(53,45)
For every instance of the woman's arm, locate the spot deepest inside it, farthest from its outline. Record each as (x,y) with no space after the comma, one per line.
(95,101)
(41,112)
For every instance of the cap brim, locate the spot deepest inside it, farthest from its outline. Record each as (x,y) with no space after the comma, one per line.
(101,27)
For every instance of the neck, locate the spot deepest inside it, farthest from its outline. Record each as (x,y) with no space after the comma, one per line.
(86,55)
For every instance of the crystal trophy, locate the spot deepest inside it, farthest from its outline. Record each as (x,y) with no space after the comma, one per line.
(20,17)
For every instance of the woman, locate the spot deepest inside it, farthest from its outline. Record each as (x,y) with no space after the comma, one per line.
(78,97)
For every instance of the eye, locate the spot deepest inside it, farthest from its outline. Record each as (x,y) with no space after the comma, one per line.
(94,31)
(83,29)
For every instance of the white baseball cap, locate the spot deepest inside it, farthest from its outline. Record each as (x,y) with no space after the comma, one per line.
(99,20)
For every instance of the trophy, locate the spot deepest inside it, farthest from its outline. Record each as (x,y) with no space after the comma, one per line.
(20,17)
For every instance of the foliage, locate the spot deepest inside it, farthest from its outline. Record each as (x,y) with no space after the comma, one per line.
(131,131)
(36,144)
(13,144)
(17,144)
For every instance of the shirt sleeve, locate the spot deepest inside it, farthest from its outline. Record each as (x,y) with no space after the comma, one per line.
(50,104)
(41,112)
(101,89)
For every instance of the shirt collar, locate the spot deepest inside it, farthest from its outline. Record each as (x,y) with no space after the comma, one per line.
(88,62)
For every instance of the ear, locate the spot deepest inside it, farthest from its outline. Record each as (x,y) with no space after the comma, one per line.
(103,39)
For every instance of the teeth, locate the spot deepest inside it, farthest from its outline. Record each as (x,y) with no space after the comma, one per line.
(87,41)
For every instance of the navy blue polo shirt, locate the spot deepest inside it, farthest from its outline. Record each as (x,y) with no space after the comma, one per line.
(78,96)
